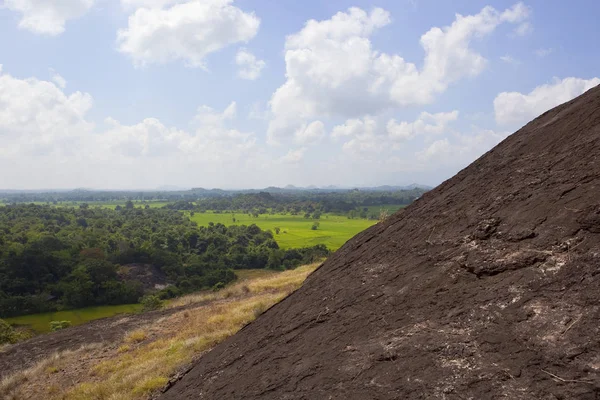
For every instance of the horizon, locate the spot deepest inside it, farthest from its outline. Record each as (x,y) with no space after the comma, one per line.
(232,189)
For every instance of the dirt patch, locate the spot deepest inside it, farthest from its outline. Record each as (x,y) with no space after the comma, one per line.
(484,288)
(151,277)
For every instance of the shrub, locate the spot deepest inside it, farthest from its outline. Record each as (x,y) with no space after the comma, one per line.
(218,286)
(315,226)
(150,303)
(58,325)
(7,333)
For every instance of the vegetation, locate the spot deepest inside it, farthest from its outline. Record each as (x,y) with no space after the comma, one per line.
(146,358)
(40,323)
(150,303)
(354,203)
(294,230)
(54,258)
(59,325)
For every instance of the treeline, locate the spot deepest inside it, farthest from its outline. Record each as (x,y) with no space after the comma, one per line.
(333,199)
(354,202)
(54,258)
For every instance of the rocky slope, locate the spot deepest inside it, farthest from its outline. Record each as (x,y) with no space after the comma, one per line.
(487,287)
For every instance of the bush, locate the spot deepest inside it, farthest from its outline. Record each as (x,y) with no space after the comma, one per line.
(218,286)
(150,303)
(7,333)
(58,325)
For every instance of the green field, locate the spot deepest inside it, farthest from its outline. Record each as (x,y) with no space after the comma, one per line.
(40,323)
(295,230)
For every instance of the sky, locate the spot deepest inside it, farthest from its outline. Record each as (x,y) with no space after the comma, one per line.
(141,94)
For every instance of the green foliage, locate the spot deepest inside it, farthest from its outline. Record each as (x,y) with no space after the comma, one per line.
(7,333)
(50,261)
(58,325)
(315,226)
(151,302)
(295,232)
(40,323)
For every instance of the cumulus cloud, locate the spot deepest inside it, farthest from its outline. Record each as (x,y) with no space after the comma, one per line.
(293,156)
(133,4)
(49,141)
(185,31)
(37,117)
(250,67)
(332,69)
(460,149)
(366,135)
(311,133)
(426,124)
(211,140)
(514,108)
(48,16)
(58,79)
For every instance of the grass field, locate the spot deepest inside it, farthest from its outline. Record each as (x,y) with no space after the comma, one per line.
(40,323)
(144,360)
(295,230)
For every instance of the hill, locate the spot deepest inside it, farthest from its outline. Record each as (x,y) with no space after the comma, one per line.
(484,288)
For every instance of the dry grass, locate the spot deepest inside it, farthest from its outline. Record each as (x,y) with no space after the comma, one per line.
(14,387)
(287,281)
(145,359)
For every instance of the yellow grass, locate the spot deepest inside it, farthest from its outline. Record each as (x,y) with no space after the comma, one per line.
(146,358)
(287,281)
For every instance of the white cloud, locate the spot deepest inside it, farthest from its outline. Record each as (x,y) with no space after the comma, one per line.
(37,117)
(355,127)
(311,133)
(249,66)
(461,149)
(48,16)
(543,52)
(364,137)
(49,142)
(187,31)
(523,29)
(58,79)
(133,4)
(510,60)
(211,141)
(514,108)
(293,156)
(426,124)
(332,69)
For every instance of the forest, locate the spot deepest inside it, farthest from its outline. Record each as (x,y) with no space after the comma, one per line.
(300,201)
(54,258)
(275,199)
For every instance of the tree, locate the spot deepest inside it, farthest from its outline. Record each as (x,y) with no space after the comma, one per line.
(315,226)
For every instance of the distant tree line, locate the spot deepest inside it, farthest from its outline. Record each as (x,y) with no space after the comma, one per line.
(354,203)
(54,258)
(280,200)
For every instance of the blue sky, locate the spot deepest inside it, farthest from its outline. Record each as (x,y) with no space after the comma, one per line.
(251,93)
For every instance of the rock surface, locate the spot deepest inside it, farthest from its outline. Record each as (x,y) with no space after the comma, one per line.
(487,287)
